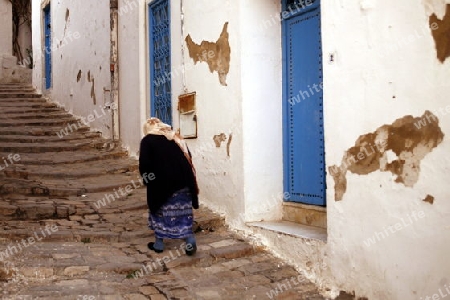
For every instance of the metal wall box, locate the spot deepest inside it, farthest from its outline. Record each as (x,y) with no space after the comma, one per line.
(188,116)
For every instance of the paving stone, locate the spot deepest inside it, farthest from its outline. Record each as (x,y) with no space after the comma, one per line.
(34,212)
(236,263)
(73,271)
(108,297)
(182,261)
(65,255)
(223,243)
(97,236)
(158,297)
(234,251)
(209,294)
(92,217)
(148,290)
(75,218)
(132,235)
(7,210)
(135,297)
(258,267)
(121,268)
(73,282)
(36,272)
(120,259)
(215,269)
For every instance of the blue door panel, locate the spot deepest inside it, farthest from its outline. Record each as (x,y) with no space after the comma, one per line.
(303,101)
(160,61)
(48,47)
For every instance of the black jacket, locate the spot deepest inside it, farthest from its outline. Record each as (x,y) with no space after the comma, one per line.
(165,170)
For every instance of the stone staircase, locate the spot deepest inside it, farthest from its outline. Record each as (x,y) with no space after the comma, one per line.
(99,247)
(47,176)
(75,164)
(50,171)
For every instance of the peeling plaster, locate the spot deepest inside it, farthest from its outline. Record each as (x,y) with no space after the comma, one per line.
(408,140)
(79,76)
(441,34)
(92,80)
(216,55)
(218,139)
(437,7)
(429,199)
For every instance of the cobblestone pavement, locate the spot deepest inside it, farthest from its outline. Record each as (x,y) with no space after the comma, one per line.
(73,223)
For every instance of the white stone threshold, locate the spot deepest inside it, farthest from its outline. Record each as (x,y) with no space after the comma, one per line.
(292,229)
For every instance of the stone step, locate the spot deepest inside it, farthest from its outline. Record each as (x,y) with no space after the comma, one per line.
(76,209)
(24,99)
(20,94)
(55,147)
(63,122)
(73,170)
(31,110)
(16,84)
(15,88)
(34,115)
(38,131)
(24,88)
(49,138)
(27,104)
(69,157)
(64,187)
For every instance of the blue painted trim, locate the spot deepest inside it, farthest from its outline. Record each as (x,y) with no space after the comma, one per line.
(290,12)
(48,46)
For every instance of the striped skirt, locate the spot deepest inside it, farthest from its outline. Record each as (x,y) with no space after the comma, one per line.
(175,218)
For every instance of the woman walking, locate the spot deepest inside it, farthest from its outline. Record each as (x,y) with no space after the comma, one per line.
(172,190)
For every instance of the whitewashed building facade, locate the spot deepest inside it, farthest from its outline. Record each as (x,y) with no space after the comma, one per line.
(318,127)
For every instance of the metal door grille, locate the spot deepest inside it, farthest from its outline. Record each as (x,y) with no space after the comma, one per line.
(48,47)
(160,64)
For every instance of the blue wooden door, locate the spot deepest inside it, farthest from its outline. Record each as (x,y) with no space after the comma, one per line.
(48,47)
(304,175)
(160,62)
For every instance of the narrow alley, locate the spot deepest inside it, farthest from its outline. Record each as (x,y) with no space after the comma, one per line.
(73,223)
(314,135)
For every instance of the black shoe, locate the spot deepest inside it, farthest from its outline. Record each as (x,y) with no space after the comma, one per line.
(151,247)
(193,248)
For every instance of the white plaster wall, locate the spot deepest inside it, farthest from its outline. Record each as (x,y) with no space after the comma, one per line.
(25,42)
(133,67)
(37,43)
(219,108)
(261,77)
(80,42)
(385,68)
(6,28)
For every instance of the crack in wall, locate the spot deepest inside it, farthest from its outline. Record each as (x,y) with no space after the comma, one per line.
(397,148)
